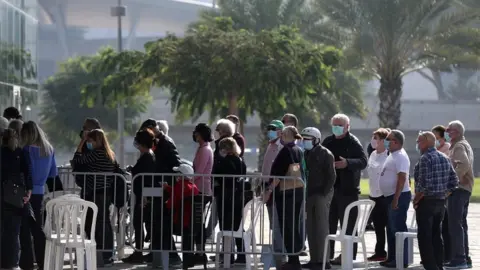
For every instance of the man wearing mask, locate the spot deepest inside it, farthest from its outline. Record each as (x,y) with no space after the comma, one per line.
(320,178)
(350,160)
(274,131)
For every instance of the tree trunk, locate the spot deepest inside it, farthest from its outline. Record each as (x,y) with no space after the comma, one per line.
(233,109)
(437,77)
(390,95)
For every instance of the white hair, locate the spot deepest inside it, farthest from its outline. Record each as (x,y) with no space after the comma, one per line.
(3,123)
(163,126)
(226,126)
(458,125)
(343,117)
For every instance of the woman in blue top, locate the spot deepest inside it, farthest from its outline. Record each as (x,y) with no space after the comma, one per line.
(42,166)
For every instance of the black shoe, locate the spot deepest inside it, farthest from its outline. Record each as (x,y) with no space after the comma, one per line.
(315,266)
(148,258)
(135,258)
(377,258)
(241,259)
(336,261)
(391,264)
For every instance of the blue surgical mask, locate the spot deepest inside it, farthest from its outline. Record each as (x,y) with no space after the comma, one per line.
(89,146)
(447,137)
(272,135)
(308,144)
(386,144)
(337,130)
(437,143)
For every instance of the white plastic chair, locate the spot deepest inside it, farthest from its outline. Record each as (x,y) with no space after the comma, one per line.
(365,208)
(248,236)
(400,242)
(70,217)
(49,227)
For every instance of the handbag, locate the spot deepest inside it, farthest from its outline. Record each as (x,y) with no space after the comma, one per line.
(13,192)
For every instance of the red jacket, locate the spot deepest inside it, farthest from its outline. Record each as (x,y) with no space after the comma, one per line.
(181,190)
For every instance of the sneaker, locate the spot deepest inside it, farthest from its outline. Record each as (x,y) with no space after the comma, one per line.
(377,258)
(135,258)
(456,265)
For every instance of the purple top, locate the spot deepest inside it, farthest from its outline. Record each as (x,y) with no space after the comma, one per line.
(202,164)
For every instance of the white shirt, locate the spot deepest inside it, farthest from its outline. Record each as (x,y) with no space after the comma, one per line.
(397,162)
(374,169)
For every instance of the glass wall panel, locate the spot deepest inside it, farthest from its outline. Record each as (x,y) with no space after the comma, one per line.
(18,55)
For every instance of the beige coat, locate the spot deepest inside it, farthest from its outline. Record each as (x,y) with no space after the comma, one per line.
(461,156)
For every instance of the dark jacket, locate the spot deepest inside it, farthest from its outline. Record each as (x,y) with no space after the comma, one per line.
(166,157)
(350,148)
(145,164)
(229,165)
(14,165)
(370,149)
(240,141)
(321,173)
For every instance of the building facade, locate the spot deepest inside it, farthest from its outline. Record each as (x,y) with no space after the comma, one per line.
(18,55)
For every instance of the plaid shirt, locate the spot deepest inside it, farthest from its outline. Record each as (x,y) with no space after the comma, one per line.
(434,174)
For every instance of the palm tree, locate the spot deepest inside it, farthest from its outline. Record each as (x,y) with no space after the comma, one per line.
(389,39)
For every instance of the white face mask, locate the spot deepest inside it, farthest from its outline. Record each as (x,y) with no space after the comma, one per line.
(223,153)
(374,143)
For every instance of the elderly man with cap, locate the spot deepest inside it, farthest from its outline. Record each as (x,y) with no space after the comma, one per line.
(435,178)
(320,178)
(274,131)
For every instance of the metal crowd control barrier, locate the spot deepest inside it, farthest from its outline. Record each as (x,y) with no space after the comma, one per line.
(107,191)
(169,205)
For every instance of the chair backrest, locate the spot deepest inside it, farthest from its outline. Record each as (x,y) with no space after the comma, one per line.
(70,218)
(252,210)
(47,229)
(364,208)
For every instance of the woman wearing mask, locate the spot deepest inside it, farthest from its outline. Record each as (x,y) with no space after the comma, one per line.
(379,214)
(230,200)
(441,143)
(97,188)
(289,194)
(203,164)
(143,141)
(43,166)
(14,169)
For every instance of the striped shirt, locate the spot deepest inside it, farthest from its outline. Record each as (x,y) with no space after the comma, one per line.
(434,174)
(95,161)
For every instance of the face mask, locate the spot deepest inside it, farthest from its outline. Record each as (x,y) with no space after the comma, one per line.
(417,149)
(308,144)
(223,153)
(447,137)
(337,130)
(89,146)
(437,143)
(272,135)
(386,144)
(373,143)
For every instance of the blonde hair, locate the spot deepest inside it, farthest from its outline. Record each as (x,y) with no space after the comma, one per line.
(230,145)
(32,134)
(99,136)
(292,131)
(226,126)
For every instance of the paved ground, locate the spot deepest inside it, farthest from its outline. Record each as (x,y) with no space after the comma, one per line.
(474,231)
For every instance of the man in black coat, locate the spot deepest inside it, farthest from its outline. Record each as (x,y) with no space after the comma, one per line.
(350,160)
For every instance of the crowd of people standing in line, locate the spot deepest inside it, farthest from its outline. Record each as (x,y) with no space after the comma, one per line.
(328,174)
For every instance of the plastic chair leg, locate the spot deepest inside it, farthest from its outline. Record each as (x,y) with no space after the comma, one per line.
(59,257)
(399,243)
(217,251)
(364,249)
(248,249)
(91,253)
(70,257)
(80,258)
(49,253)
(347,254)
(227,249)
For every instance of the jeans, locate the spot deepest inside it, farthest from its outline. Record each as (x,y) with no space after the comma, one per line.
(289,204)
(337,211)
(429,214)
(397,222)
(380,219)
(32,227)
(457,207)
(277,240)
(103,227)
(447,246)
(11,222)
